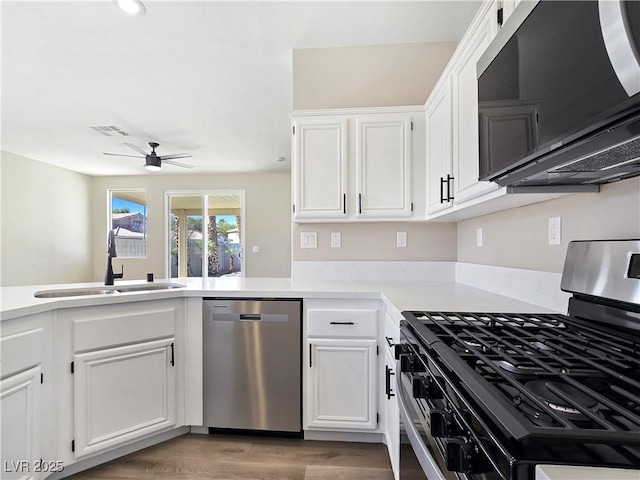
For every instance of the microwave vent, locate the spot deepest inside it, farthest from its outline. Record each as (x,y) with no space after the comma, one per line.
(615,156)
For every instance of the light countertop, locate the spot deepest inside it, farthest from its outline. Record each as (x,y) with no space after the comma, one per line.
(438,296)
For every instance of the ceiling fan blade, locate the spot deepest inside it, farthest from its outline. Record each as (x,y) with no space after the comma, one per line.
(136,148)
(177,164)
(175,155)
(122,155)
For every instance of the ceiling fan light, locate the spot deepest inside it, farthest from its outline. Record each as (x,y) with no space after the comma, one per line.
(132,7)
(153,168)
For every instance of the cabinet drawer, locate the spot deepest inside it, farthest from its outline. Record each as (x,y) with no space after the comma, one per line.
(342,323)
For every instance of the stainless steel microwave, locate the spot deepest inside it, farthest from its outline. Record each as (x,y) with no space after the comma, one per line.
(559,95)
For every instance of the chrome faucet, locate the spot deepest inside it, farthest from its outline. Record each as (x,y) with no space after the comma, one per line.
(109,276)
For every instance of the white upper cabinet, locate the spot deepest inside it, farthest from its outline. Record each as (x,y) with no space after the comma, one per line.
(354,164)
(320,168)
(438,109)
(465,112)
(383,166)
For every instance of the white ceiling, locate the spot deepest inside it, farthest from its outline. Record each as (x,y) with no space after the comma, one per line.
(213,79)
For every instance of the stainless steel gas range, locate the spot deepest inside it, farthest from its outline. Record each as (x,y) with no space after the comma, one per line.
(493,396)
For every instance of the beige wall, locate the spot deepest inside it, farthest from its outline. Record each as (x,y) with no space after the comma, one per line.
(267,222)
(371,76)
(377,241)
(519,237)
(45,217)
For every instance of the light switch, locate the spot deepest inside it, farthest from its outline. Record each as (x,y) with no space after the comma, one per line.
(555,227)
(401,239)
(479,235)
(308,239)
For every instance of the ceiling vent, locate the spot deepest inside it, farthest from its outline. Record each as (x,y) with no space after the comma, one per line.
(110,131)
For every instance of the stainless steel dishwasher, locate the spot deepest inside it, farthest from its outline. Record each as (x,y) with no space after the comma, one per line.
(252,364)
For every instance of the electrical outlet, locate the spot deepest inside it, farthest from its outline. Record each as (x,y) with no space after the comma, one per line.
(335,240)
(479,234)
(308,239)
(555,228)
(401,239)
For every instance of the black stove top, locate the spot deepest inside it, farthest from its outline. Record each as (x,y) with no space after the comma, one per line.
(549,388)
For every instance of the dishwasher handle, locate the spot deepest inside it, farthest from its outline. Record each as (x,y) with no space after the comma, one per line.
(249,317)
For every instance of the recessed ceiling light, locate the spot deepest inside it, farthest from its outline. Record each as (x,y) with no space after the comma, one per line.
(132,7)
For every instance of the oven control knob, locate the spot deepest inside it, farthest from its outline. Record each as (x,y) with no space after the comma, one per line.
(464,456)
(410,363)
(426,387)
(399,349)
(442,424)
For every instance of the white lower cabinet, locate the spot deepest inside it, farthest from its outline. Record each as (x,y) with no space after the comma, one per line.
(341,384)
(123,377)
(392,413)
(123,393)
(25,399)
(342,365)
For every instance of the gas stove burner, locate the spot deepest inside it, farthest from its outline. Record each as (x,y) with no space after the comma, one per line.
(542,390)
(519,369)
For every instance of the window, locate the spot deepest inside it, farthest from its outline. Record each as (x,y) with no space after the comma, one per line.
(205,233)
(128,220)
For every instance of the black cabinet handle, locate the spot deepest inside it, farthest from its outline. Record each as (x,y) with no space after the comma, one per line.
(173,363)
(341,323)
(390,342)
(344,203)
(388,390)
(442,182)
(310,354)
(449,188)
(359,203)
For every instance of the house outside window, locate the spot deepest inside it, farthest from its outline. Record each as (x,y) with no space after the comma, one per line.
(128,220)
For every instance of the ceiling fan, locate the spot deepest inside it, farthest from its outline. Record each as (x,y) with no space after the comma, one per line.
(153,161)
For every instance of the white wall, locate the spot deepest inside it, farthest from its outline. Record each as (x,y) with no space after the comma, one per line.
(45,216)
(518,238)
(367,76)
(267,222)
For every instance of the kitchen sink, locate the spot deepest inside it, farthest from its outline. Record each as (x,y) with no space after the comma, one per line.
(77,292)
(148,287)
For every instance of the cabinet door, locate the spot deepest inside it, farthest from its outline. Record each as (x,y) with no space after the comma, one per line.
(320,168)
(20,406)
(439,171)
(341,388)
(392,415)
(465,114)
(123,393)
(383,166)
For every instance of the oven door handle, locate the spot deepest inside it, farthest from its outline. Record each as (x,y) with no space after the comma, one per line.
(427,462)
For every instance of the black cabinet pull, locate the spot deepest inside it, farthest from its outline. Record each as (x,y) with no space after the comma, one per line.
(341,323)
(390,342)
(449,188)
(359,203)
(388,390)
(310,354)
(173,363)
(344,203)
(442,182)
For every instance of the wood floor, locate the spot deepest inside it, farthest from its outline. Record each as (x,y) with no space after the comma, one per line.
(224,457)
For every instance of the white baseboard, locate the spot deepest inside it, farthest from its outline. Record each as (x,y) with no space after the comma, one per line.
(531,286)
(327,436)
(374,271)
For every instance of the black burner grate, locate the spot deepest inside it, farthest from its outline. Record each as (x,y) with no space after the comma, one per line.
(565,378)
